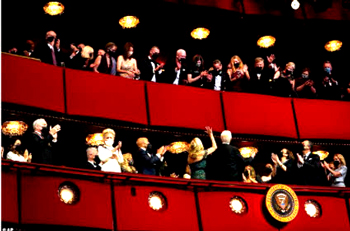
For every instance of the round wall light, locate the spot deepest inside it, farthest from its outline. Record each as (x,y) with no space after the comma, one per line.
(157,201)
(68,193)
(313,208)
(238,205)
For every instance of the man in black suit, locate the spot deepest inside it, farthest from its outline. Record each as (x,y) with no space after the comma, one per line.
(42,141)
(145,161)
(175,72)
(149,67)
(227,163)
(310,171)
(49,51)
(261,77)
(217,79)
(91,153)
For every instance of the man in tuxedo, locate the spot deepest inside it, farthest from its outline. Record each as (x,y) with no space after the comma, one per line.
(145,161)
(175,72)
(150,69)
(310,171)
(42,141)
(227,163)
(49,51)
(91,153)
(261,77)
(217,79)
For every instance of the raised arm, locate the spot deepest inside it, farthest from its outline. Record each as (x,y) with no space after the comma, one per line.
(213,142)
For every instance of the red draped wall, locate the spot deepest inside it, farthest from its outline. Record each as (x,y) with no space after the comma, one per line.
(259,114)
(31,83)
(105,96)
(183,106)
(323,119)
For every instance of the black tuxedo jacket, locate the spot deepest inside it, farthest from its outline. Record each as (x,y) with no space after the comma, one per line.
(146,69)
(262,85)
(169,74)
(146,164)
(88,165)
(225,80)
(227,164)
(311,173)
(43,52)
(41,148)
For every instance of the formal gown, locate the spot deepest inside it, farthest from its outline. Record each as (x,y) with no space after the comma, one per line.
(127,65)
(198,168)
(112,165)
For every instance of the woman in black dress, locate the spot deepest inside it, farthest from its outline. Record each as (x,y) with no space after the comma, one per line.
(283,166)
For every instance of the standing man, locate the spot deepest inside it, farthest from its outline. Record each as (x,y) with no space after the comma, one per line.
(309,166)
(150,69)
(42,142)
(145,161)
(49,51)
(226,162)
(217,79)
(175,72)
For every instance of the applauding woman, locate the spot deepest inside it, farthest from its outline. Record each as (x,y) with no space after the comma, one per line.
(111,157)
(197,156)
(337,175)
(238,73)
(283,166)
(126,64)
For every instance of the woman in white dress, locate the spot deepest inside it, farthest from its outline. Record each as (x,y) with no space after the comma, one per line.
(111,157)
(15,155)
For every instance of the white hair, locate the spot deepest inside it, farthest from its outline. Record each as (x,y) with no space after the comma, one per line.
(226,136)
(90,148)
(35,123)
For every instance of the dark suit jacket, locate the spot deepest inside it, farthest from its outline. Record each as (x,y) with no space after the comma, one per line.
(146,69)
(169,74)
(146,164)
(262,85)
(311,173)
(88,165)
(41,149)
(225,79)
(43,52)
(226,164)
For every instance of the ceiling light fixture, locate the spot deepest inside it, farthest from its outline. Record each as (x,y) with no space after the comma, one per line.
(53,8)
(129,21)
(200,33)
(266,41)
(333,45)
(295,4)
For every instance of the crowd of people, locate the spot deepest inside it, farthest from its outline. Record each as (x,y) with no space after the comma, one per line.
(264,77)
(222,162)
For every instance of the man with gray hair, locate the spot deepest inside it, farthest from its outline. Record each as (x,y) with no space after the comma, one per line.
(175,71)
(42,141)
(91,163)
(226,163)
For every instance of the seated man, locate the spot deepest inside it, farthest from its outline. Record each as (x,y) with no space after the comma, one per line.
(145,161)
(91,153)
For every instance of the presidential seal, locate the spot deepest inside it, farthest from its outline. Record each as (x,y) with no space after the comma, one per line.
(282,203)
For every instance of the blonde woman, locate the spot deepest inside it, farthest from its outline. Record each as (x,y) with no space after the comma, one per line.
(111,157)
(337,175)
(239,74)
(197,156)
(249,175)
(284,82)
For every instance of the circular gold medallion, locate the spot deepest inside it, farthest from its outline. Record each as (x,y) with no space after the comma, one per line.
(282,203)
